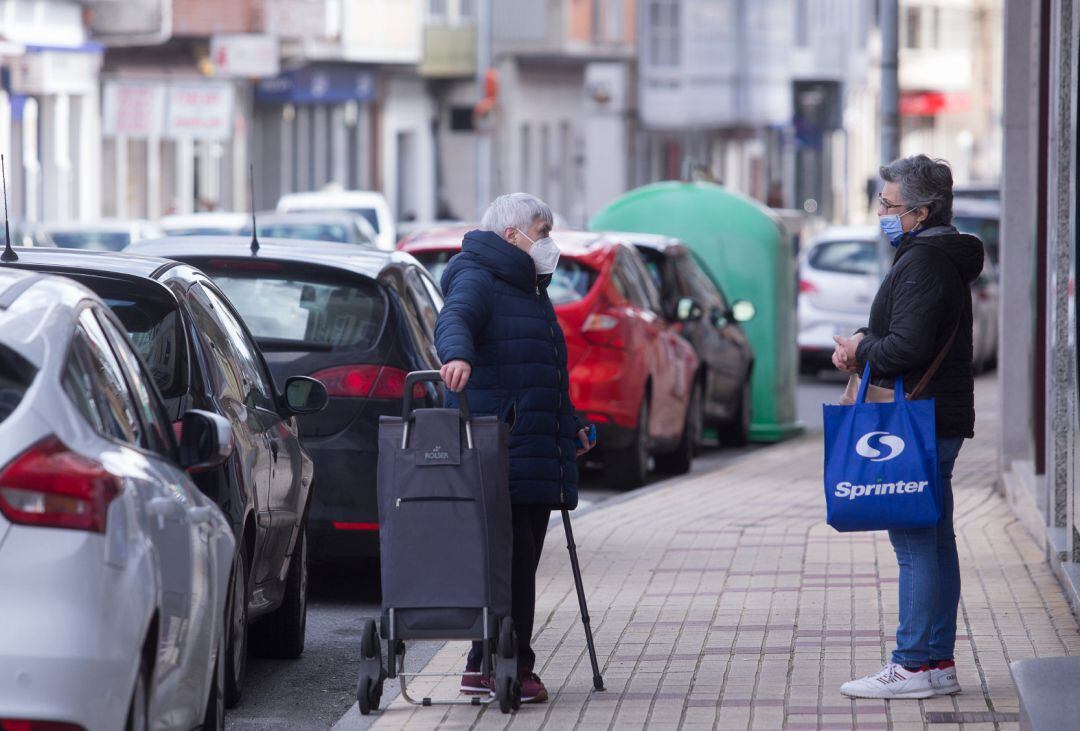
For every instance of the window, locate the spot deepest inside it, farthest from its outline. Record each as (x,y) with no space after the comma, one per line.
(225,372)
(912,27)
(333,232)
(424,306)
(435,262)
(259,393)
(116,407)
(16,375)
(92,240)
(664,32)
(433,292)
(571,282)
(697,283)
(436,11)
(643,282)
(845,257)
(634,284)
(158,430)
(79,384)
(312,311)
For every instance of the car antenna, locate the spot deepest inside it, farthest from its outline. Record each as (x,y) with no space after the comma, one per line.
(9,253)
(254,226)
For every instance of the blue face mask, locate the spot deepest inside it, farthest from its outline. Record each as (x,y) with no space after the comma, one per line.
(893,227)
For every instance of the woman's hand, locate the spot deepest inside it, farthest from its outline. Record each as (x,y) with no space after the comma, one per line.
(844,356)
(455,374)
(583,440)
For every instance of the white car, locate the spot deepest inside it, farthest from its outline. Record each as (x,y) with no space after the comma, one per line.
(370,204)
(215,223)
(107,234)
(337,227)
(114,568)
(839,274)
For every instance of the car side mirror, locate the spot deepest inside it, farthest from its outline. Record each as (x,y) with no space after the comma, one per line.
(688,310)
(304,395)
(743,311)
(206,441)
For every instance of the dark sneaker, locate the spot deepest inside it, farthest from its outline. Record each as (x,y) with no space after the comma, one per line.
(532,689)
(473,683)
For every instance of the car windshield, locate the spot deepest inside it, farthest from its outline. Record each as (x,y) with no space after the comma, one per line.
(845,257)
(154,328)
(292,309)
(93,240)
(306,231)
(204,231)
(571,282)
(16,375)
(370,214)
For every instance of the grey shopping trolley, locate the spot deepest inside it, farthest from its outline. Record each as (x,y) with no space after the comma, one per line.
(445,545)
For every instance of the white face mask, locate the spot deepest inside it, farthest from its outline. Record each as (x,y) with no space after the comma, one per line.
(544,253)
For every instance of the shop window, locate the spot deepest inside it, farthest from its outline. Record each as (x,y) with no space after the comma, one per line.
(461,119)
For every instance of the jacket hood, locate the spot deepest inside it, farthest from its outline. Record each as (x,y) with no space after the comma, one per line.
(964,250)
(506,261)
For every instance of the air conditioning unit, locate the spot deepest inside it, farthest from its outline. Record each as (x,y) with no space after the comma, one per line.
(130,22)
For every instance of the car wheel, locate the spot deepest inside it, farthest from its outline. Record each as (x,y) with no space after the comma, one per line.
(680,461)
(736,433)
(137,711)
(628,468)
(214,718)
(236,629)
(281,633)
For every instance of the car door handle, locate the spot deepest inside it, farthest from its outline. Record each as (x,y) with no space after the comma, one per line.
(201,514)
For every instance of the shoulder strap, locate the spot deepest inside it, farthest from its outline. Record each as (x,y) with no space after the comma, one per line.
(938,360)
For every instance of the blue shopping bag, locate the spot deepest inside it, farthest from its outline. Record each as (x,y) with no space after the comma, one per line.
(881,467)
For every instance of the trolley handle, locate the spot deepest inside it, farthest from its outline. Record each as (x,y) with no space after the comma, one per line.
(430,377)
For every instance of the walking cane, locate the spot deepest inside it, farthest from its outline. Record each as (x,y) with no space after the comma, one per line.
(598,681)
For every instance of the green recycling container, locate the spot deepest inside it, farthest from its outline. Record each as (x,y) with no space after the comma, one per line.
(746,251)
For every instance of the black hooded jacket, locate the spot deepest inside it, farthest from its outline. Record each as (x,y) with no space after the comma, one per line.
(923,297)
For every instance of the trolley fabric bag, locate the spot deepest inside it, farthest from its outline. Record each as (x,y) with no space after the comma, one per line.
(881,464)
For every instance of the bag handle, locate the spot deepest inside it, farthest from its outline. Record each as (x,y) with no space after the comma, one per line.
(898,387)
(938,360)
(430,377)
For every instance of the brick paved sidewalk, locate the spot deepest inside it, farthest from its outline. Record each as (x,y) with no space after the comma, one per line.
(724,601)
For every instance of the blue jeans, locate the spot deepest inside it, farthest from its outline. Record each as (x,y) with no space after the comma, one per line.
(929,577)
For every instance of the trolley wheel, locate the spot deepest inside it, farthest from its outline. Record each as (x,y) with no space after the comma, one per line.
(369,687)
(369,642)
(363,696)
(508,693)
(507,647)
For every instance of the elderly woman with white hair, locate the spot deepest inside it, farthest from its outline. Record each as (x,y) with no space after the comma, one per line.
(921,318)
(500,342)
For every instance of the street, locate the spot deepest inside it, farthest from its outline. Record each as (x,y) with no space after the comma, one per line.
(314,691)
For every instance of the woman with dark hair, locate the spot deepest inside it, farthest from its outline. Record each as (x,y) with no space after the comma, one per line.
(922,308)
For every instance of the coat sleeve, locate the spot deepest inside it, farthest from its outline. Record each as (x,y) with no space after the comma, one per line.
(465,313)
(918,308)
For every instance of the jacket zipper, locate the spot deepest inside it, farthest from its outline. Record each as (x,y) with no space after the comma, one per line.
(558,403)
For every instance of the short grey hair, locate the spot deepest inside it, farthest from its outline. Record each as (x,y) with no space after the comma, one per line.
(923,182)
(515,210)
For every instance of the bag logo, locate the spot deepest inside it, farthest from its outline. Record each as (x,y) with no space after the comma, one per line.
(436,453)
(884,439)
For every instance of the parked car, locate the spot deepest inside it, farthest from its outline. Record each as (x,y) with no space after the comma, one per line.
(370,204)
(839,274)
(358,320)
(115,569)
(630,372)
(103,235)
(201,356)
(213,223)
(330,226)
(701,313)
(982,218)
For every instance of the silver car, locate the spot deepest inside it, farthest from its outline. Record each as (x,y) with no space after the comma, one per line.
(114,569)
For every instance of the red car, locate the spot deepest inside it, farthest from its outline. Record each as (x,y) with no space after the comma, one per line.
(631,373)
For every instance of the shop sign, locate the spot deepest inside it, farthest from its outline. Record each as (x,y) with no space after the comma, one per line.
(132,109)
(195,110)
(318,84)
(42,72)
(199,111)
(245,55)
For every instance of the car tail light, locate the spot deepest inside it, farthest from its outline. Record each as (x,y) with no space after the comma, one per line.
(366,381)
(13,724)
(243,265)
(49,485)
(341,525)
(806,287)
(604,328)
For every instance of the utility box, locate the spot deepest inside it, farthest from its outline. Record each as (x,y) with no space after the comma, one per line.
(747,252)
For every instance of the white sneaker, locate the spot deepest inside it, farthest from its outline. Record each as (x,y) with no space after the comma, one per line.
(891,682)
(943,681)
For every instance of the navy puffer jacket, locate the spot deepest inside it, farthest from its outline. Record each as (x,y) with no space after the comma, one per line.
(497,317)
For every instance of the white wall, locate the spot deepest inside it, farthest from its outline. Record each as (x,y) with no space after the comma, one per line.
(408,108)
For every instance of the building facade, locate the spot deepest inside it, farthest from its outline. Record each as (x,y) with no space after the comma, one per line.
(1040,415)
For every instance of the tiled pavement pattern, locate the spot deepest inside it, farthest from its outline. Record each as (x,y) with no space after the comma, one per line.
(725,602)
